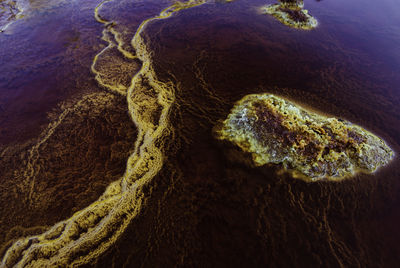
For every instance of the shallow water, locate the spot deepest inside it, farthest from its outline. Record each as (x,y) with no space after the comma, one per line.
(192,201)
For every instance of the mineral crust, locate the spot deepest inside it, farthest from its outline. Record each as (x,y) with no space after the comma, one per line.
(308,145)
(292,14)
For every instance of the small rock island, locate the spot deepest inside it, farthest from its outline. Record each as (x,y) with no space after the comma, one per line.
(310,146)
(291,13)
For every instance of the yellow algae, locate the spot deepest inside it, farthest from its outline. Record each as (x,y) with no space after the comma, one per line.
(308,145)
(110,29)
(91,231)
(113,70)
(292,14)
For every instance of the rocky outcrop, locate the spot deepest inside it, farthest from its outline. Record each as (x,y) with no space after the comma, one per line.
(308,145)
(291,13)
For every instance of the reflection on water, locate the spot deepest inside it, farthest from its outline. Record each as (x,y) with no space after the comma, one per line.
(186,199)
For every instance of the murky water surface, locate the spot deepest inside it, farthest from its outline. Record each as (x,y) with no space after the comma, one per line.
(129,171)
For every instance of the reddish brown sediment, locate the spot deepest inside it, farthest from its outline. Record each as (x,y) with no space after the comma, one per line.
(309,145)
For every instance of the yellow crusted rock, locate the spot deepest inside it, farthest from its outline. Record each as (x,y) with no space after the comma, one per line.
(309,145)
(292,14)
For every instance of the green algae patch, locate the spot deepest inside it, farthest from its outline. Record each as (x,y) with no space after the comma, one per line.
(308,145)
(292,14)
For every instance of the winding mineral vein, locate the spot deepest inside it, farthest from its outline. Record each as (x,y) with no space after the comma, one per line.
(108,34)
(91,231)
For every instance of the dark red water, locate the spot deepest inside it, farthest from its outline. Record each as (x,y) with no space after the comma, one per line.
(205,208)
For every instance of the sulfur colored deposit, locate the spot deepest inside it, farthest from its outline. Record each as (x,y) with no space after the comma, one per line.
(93,230)
(291,13)
(308,145)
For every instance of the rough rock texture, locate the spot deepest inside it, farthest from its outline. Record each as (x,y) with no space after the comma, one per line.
(291,13)
(10,10)
(309,145)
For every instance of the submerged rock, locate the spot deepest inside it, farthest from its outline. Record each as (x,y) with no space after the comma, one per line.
(308,145)
(291,13)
